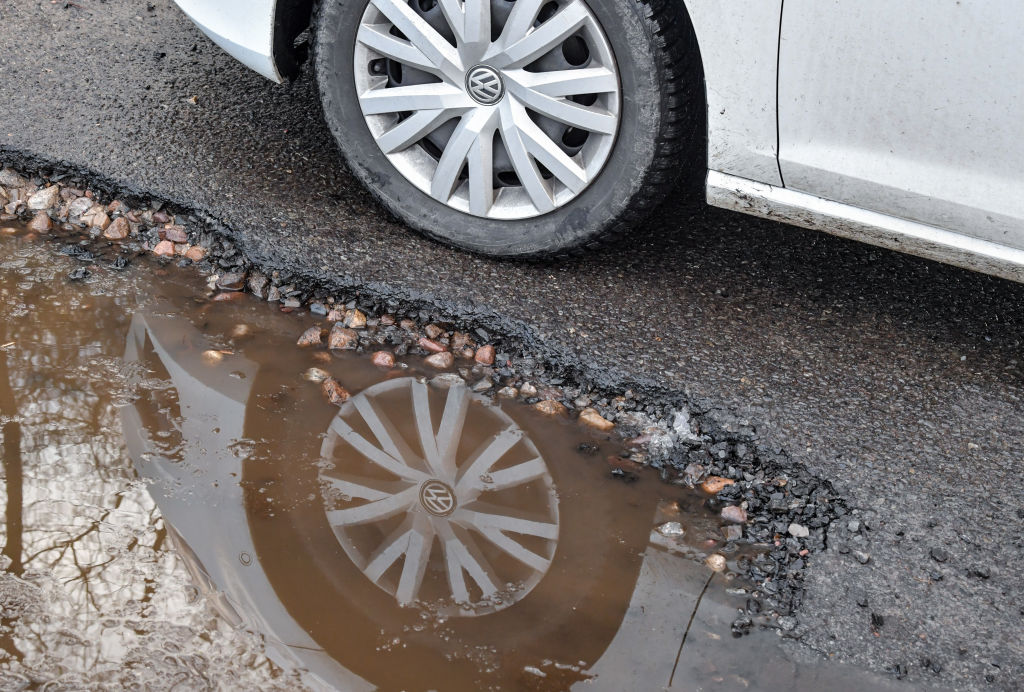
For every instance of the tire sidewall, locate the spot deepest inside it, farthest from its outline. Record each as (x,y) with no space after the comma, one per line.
(585,217)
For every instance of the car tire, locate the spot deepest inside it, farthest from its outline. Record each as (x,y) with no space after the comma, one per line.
(656,139)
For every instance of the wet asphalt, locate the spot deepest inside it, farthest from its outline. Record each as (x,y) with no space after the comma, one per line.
(897,378)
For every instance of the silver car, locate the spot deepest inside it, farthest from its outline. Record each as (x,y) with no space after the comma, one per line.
(524,128)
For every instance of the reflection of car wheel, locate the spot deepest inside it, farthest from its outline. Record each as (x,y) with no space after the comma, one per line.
(525,128)
(502,571)
(474,493)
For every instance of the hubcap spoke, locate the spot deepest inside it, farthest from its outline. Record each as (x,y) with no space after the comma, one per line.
(377,38)
(477,35)
(462,553)
(470,129)
(375,455)
(498,520)
(481,461)
(414,98)
(589,80)
(430,43)
(505,478)
(544,38)
(526,168)
(373,511)
(520,21)
(365,488)
(542,149)
(564,111)
(414,128)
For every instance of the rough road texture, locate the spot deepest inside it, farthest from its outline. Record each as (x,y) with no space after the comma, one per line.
(898,379)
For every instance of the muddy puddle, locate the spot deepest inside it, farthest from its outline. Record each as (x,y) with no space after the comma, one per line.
(183,509)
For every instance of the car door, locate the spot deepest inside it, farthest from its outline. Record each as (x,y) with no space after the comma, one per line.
(913,108)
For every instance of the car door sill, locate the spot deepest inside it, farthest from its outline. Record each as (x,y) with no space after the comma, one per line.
(809,211)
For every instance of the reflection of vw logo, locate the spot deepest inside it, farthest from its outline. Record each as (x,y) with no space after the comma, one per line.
(484,85)
(437,498)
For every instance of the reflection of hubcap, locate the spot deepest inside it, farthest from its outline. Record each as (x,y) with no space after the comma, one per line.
(484,85)
(438,497)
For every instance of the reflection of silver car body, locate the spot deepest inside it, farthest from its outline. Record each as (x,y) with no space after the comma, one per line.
(202,501)
(888,123)
(183,435)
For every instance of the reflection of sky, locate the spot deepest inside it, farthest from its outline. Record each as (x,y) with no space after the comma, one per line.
(100,599)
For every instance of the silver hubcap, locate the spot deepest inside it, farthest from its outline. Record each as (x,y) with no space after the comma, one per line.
(461,516)
(505,109)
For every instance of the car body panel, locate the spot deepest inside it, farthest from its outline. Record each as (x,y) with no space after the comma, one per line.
(212,403)
(243,28)
(810,211)
(911,109)
(739,74)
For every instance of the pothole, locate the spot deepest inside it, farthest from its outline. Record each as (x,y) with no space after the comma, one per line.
(681,481)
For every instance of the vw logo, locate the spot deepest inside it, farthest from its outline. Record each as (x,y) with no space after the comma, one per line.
(437,498)
(484,84)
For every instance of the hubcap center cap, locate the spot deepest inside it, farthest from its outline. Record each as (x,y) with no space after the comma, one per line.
(484,84)
(437,498)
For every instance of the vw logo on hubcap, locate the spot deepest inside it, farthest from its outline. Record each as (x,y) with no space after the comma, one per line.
(437,498)
(484,84)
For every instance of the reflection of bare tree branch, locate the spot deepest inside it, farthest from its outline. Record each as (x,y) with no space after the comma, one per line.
(149,590)
(86,571)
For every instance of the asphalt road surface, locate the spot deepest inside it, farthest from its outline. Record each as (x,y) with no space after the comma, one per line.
(897,378)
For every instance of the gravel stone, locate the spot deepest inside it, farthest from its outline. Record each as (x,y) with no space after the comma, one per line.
(440,361)
(355,319)
(734,514)
(342,338)
(311,337)
(164,248)
(175,234)
(383,359)
(550,407)
(484,355)
(593,419)
(316,375)
(40,222)
(716,562)
(118,229)
(430,345)
(44,199)
(714,484)
(798,531)
(335,393)
(11,178)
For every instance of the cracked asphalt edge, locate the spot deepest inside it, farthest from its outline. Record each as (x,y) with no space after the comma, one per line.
(766,499)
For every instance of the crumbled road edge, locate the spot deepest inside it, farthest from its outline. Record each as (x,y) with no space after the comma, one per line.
(785,511)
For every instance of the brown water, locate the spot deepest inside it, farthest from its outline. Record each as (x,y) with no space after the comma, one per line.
(184,509)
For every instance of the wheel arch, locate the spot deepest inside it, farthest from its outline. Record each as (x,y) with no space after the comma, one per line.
(291,18)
